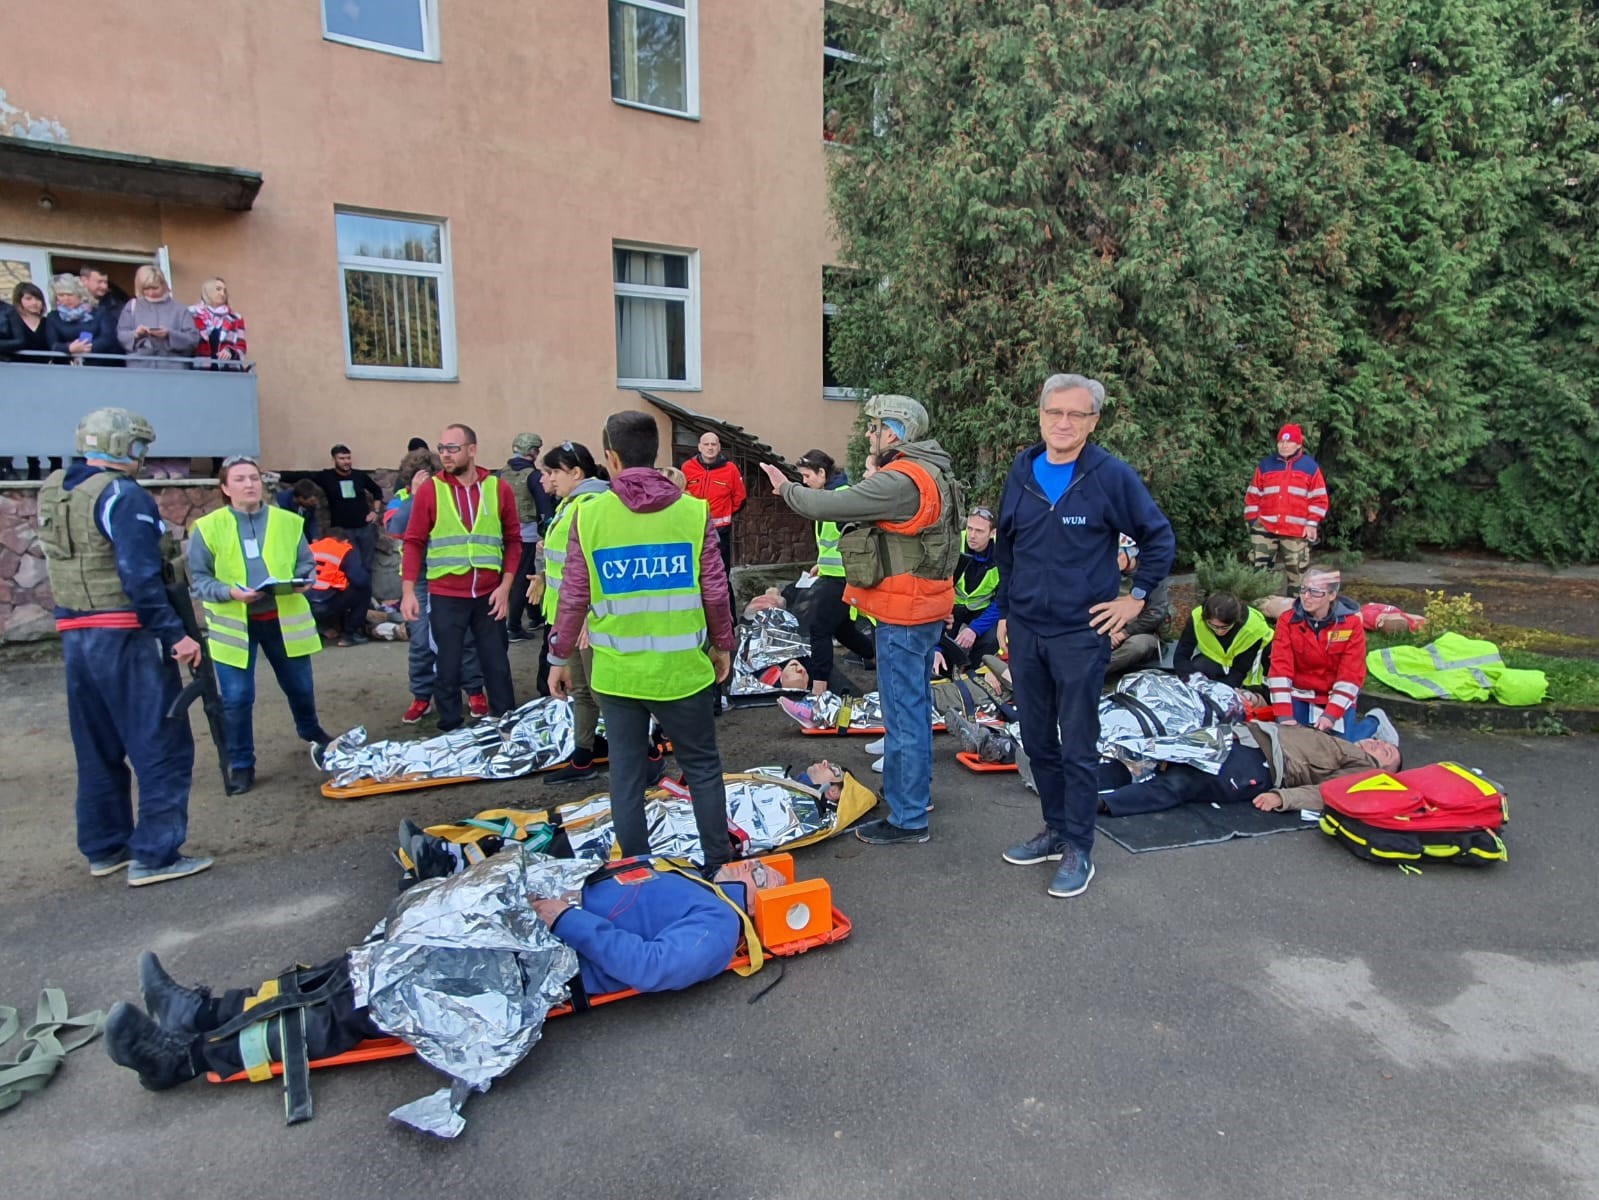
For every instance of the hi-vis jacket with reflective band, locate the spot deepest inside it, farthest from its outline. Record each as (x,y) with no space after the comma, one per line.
(646,615)
(980,597)
(82,563)
(927,591)
(828,560)
(1286,495)
(1255,631)
(555,542)
(1324,666)
(453,549)
(329,553)
(227,622)
(1456,668)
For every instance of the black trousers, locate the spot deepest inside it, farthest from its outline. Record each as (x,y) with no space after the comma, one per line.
(450,617)
(830,621)
(519,605)
(724,543)
(331,1027)
(690,723)
(346,608)
(1244,775)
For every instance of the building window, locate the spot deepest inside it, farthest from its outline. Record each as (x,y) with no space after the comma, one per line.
(850,102)
(408,27)
(655,55)
(399,310)
(657,317)
(835,282)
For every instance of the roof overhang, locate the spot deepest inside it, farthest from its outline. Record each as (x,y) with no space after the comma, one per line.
(737,442)
(201,185)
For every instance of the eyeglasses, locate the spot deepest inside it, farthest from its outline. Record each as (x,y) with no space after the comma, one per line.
(234,460)
(1314,593)
(986,513)
(567,446)
(1070,417)
(1219,626)
(450,447)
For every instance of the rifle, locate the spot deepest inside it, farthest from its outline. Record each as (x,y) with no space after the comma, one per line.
(202,683)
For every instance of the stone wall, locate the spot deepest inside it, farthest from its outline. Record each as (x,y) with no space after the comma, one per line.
(768,531)
(25,601)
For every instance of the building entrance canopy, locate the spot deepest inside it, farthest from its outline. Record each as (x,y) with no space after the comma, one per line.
(201,185)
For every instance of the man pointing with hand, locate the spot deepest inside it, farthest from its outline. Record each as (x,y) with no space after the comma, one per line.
(644,570)
(1065,504)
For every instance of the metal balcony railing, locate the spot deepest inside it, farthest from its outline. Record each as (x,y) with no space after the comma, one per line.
(195,413)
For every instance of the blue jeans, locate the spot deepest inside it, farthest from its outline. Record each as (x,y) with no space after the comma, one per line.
(904,685)
(237,685)
(1353,728)
(422,656)
(120,684)
(1056,680)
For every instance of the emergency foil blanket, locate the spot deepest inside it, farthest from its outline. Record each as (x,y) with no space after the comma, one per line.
(526,739)
(763,813)
(1153,717)
(865,712)
(464,972)
(768,638)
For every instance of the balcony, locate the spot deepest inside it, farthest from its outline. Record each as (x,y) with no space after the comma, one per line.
(195,414)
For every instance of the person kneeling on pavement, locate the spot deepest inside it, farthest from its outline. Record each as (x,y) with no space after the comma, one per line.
(1275,767)
(342,592)
(632,925)
(1136,645)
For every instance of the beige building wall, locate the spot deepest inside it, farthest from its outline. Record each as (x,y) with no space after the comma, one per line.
(512,136)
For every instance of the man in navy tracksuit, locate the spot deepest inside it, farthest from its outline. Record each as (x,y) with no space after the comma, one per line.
(1065,504)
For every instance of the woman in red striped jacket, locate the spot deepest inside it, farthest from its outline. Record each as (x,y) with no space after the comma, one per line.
(222,346)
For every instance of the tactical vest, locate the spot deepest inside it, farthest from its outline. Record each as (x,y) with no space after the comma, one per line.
(1256,631)
(646,616)
(80,559)
(555,541)
(455,550)
(527,509)
(979,598)
(828,559)
(227,621)
(901,572)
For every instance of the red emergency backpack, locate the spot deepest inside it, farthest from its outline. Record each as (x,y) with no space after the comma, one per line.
(1442,811)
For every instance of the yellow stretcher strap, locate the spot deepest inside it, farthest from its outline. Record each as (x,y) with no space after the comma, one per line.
(752,940)
(253,1039)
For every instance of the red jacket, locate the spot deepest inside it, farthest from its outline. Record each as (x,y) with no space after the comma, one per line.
(1325,666)
(720,485)
(468,498)
(1286,496)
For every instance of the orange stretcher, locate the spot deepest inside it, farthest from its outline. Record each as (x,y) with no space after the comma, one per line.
(789,920)
(973,762)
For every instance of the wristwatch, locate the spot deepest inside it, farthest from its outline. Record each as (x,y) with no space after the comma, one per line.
(1138,593)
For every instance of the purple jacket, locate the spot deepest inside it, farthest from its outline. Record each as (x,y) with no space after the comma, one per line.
(642,489)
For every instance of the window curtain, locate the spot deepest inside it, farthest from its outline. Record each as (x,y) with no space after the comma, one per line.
(627,18)
(641,350)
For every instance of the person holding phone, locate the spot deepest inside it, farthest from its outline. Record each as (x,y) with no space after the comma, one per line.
(250,565)
(154,329)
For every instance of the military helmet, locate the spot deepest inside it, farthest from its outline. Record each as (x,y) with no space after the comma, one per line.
(526,443)
(903,409)
(114,434)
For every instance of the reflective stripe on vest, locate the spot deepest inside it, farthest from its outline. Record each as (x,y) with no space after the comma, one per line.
(329,554)
(227,624)
(979,598)
(1256,631)
(646,616)
(455,550)
(556,539)
(828,560)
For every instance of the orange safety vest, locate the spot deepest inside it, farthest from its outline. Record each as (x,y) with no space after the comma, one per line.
(908,599)
(329,553)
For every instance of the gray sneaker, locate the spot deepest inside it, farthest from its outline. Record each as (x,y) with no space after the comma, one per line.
(1385,728)
(140,875)
(110,864)
(1044,846)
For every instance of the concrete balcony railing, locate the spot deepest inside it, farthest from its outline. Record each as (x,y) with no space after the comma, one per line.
(195,414)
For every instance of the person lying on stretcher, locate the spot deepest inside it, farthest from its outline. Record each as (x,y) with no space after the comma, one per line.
(631,925)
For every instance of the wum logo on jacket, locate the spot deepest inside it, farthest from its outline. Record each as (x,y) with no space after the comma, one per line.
(660,567)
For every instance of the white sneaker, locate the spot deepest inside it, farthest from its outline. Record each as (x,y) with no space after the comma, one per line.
(875,747)
(878,766)
(1385,728)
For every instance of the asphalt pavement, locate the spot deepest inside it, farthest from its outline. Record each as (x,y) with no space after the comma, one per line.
(1270,1018)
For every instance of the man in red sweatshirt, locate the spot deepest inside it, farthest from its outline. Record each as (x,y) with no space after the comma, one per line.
(717,482)
(465,533)
(643,570)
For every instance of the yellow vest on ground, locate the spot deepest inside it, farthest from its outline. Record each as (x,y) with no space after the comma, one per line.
(227,621)
(555,541)
(1256,631)
(646,617)
(1454,667)
(453,549)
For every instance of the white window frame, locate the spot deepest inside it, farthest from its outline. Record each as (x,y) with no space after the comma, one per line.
(441,270)
(690,15)
(691,314)
(430,34)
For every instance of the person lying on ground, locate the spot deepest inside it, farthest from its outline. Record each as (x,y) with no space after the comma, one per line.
(637,927)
